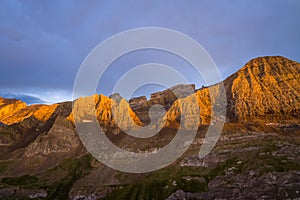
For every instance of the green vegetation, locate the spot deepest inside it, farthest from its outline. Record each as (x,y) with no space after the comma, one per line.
(264,157)
(160,184)
(269,163)
(3,167)
(20,181)
(73,168)
(220,169)
(76,168)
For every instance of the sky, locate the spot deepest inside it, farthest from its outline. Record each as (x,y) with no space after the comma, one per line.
(43,43)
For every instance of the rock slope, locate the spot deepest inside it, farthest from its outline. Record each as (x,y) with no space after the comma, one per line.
(266,89)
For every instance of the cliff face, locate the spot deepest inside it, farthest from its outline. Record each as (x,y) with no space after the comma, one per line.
(8,107)
(22,126)
(202,109)
(166,98)
(138,102)
(40,112)
(111,114)
(265,89)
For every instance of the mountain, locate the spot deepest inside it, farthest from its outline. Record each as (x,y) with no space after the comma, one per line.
(9,107)
(266,89)
(42,157)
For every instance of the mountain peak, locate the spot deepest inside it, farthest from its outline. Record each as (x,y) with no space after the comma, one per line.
(270,63)
(264,89)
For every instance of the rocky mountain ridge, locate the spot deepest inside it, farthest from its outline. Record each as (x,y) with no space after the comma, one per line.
(39,143)
(265,89)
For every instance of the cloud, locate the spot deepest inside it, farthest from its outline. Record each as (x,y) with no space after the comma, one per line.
(43,43)
(36,95)
(28,99)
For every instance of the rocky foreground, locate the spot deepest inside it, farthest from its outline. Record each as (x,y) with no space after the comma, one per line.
(256,157)
(260,161)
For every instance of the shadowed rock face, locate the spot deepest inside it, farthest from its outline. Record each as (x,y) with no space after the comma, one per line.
(165,98)
(61,138)
(138,102)
(175,92)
